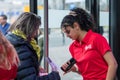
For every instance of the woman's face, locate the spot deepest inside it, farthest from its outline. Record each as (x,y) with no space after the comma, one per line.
(70,32)
(35,34)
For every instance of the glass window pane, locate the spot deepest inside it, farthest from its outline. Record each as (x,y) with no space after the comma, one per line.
(58,42)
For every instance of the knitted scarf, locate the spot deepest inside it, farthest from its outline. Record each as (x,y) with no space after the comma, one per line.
(33,42)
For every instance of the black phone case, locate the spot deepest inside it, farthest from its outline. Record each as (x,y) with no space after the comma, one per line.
(72,62)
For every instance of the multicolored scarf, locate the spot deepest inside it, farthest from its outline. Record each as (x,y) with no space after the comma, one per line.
(33,42)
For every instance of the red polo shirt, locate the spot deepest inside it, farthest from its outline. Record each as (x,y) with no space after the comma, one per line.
(89,56)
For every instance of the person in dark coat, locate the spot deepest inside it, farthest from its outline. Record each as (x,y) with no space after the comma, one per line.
(21,34)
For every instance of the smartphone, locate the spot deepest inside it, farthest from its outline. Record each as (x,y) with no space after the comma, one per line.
(72,62)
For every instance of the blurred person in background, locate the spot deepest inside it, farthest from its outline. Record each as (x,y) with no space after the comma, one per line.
(9,60)
(4,25)
(91,51)
(22,34)
(40,43)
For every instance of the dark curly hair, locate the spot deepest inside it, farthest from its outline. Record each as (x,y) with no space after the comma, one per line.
(82,17)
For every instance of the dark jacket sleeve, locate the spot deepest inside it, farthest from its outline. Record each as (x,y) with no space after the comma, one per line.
(51,76)
(28,70)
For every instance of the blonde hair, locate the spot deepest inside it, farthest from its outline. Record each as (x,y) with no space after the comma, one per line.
(28,23)
(8,54)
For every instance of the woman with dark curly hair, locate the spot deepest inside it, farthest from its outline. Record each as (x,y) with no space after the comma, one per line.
(91,51)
